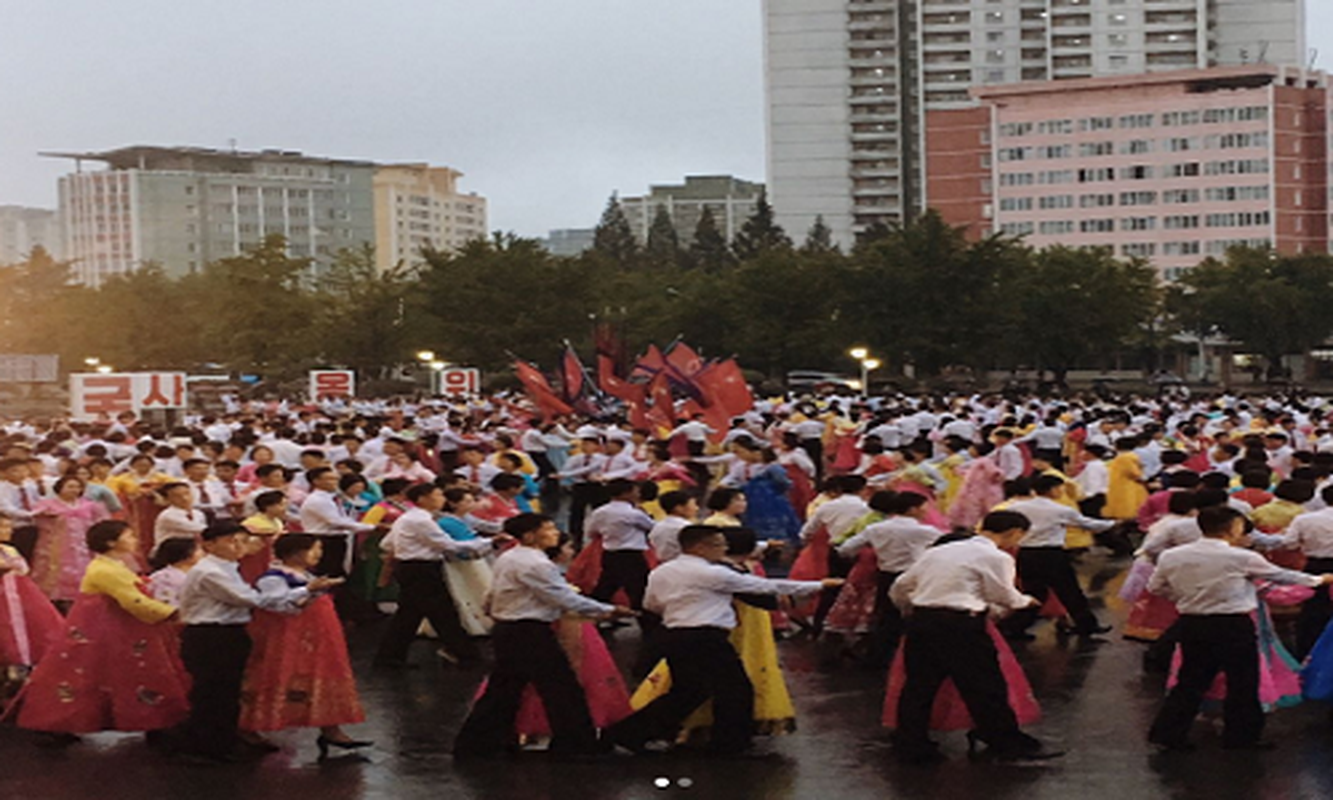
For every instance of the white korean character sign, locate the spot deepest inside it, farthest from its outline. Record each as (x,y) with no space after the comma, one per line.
(326,384)
(94,395)
(460,380)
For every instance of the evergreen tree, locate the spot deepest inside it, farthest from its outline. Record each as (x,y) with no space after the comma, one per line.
(709,249)
(819,239)
(760,233)
(663,245)
(614,238)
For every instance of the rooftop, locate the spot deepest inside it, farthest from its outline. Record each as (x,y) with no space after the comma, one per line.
(1252,76)
(202,159)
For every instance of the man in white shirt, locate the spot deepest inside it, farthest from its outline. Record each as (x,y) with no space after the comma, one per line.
(586,492)
(898,542)
(180,519)
(216,605)
(528,594)
(696,433)
(1212,583)
(946,596)
(836,517)
(682,510)
(419,548)
(1007,455)
(623,528)
(324,515)
(1044,563)
(693,594)
(1312,534)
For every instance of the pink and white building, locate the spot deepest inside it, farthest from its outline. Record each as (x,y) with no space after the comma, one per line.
(1172,167)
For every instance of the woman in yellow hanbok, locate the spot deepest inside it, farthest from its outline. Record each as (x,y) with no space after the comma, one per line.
(1126,490)
(774,713)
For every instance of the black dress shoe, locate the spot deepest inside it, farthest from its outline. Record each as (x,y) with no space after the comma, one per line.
(1258,747)
(1096,630)
(1173,747)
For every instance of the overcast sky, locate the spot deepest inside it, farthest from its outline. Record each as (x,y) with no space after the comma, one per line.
(546,105)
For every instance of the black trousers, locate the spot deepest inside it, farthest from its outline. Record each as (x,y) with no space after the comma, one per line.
(1043,569)
(335,553)
(423,594)
(1209,644)
(628,570)
(215,657)
(838,567)
(815,449)
(703,666)
(24,540)
(549,487)
(888,621)
(528,652)
(1315,612)
(582,498)
(944,643)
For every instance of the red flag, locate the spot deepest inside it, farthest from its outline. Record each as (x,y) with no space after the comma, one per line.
(571,376)
(663,412)
(650,364)
(723,385)
(685,360)
(540,391)
(714,416)
(634,395)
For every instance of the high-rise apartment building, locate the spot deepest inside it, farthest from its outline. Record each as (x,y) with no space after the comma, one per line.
(1170,167)
(23,228)
(418,207)
(182,207)
(731,201)
(849,82)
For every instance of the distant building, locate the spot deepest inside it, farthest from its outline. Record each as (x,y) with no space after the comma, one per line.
(1172,167)
(419,206)
(182,207)
(731,200)
(569,241)
(22,229)
(849,82)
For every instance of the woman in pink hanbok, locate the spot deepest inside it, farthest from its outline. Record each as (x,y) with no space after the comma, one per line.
(62,556)
(981,491)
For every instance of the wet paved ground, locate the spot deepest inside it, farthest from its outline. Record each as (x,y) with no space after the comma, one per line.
(1096,699)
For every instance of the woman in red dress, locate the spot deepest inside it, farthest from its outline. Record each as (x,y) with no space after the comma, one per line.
(299,675)
(28,621)
(116,667)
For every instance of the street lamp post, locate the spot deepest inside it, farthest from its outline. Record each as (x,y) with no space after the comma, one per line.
(867,364)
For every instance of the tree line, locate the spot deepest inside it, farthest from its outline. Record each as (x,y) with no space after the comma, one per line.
(921,294)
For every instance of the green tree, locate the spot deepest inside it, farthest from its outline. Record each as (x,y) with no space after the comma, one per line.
(364,320)
(663,248)
(613,238)
(1275,305)
(261,310)
(38,309)
(1076,305)
(819,239)
(760,233)
(708,250)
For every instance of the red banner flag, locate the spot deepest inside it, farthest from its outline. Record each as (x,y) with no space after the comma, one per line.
(540,391)
(651,363)
(683,358)
(663,411)
(723,385)
(571,376)
(634,395)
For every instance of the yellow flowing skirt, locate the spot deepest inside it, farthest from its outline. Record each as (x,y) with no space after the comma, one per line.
(753,639)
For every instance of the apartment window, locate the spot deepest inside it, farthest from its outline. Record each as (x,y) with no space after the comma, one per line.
(1056,227)
(1181,144)
(1138,198)
(1097,226)
(1136,121)
(1118,39)
(1138,250)
(1138,172)
(1016,179)
(995,36)
(1096,175)
(1136,147)
(1096,124)
(1017,228)
(1054,201)
(1055,151)
(994,17)
(1092,149)
(1180,222)
(995,76)
(1055,127)
(1226,194)
(1180,249)
(1180,196)
(189,190)
(1096,200)
(1118,19)
(1237,219)
(1016,204)
(1138,224)
(1189,169)
(1118,62)
(995,56)
(1244,166)
(1056,176)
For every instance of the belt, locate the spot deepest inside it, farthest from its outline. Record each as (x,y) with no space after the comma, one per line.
(931,611)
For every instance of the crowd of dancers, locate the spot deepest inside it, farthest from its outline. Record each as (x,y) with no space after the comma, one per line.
(194,583)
